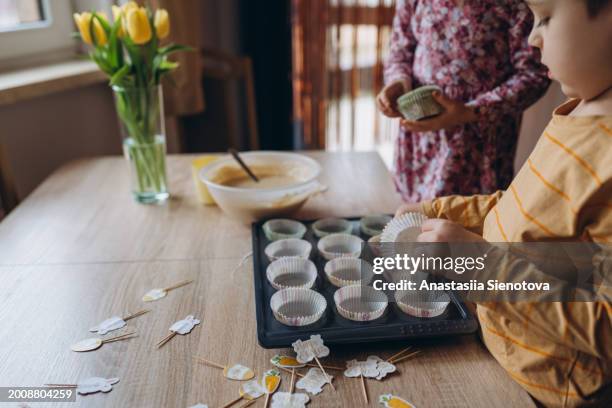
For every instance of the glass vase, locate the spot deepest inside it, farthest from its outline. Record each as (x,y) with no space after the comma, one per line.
(141,115)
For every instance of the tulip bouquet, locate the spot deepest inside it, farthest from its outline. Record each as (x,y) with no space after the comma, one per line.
(128,50)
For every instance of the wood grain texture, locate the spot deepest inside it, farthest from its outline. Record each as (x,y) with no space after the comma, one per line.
(84,213)
(69,278)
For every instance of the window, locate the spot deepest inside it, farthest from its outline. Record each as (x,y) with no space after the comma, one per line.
(33,27)
(20,14)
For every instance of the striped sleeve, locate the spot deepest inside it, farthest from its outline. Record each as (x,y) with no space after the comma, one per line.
(469,211)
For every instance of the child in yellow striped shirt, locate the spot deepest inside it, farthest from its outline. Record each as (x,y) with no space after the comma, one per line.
(561,352)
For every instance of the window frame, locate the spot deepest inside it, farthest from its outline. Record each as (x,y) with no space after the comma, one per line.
(40,38)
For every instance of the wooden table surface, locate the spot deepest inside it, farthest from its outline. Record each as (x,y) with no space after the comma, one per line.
(79,250)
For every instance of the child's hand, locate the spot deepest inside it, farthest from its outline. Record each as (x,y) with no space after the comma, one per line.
(455,114)
(387,98)
(438,230)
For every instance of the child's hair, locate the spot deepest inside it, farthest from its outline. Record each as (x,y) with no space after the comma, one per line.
(595,6)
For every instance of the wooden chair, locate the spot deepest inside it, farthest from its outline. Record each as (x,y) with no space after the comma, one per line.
(8,193)
(225,67)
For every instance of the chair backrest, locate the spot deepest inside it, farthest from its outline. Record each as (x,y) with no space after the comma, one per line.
(8,194)
(222,66)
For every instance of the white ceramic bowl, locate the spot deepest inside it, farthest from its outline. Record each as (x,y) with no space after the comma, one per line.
(248,204)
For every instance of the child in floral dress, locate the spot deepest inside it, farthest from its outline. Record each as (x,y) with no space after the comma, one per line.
(477,52)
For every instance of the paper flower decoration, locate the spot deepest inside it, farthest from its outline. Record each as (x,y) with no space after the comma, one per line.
(267,385)
(373,367)
(286,362)
(238,372)
(96,384)
(391,401)
(252,390)
(184,326)
(313,381)
(109,325)
(288,400)
(309,349)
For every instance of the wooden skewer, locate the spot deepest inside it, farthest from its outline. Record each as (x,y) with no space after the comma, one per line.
(290,371)
(229,404)
(133,315)
(267,400)
(326,366)
(208,362)
(242,164)
(396,355)
(291,387)
(178,285)
(166,339)
(324,372)
(248,403)
(119,338)
(406,357)
(364,389)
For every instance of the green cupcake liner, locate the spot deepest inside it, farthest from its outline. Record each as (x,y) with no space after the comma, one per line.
(419,103)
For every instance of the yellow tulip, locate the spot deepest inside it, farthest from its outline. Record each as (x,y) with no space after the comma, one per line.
(162,23)
(118,17)
(83,22)
(130,5)
(138,26)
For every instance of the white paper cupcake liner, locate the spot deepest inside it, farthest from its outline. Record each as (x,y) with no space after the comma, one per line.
(297,307)
(328,226)
(283,229)
(405,228)
(348,271)
(291,272)
(340,245)
(288,247)
(360,303)
(373,225)
(420,303)
(397,275)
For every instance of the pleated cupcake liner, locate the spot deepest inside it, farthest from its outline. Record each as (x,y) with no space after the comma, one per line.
(340,245)
(360,303)
(297,306)
(291,272)
(348,271)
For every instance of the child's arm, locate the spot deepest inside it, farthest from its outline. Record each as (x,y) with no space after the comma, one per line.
(469,211)
(398,66)
(585,326)
(529,81)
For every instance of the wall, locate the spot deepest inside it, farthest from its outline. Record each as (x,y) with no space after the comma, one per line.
(39,135)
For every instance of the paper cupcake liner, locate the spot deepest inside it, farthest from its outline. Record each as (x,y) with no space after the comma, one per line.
(430,303)
(291,272)
(397,275)
(405,228)
(297,307)
(288,247)
(373,225)
(328,226)
(340,245)
(419,103)
(348,271)
(283,229)
(360,303)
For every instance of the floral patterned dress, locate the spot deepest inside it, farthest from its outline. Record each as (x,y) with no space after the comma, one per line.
(477,52)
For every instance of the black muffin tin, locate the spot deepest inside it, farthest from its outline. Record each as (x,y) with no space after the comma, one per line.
(335,329)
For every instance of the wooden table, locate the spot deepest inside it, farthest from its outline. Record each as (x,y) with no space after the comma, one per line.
(79,250)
